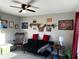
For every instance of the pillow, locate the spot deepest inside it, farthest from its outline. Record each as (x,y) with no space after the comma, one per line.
(46,38)
(35,37)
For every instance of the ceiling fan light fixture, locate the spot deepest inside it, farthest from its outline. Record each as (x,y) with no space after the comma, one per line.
(24,7)
(24,11)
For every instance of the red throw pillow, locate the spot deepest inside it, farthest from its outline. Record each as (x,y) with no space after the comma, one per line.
(35,37)
(46,38)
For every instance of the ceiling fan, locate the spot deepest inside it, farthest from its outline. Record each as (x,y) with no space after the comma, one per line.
(25,7)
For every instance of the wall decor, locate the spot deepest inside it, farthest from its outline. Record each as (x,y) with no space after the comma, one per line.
(34,27)
(41,28)
(11,24)
(24,25)
(38,26)
(3,23)
(34,24)
(51,25)
(48,28)
(16,26)
(65,25)
(49,20)
(34,21)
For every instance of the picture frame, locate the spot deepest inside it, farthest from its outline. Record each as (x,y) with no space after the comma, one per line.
(16,26)
(24,25)
(49,20)
(3,24)
(48,28)
(11,24)
(65,25)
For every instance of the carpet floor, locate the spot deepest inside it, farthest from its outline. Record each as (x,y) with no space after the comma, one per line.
(20,55)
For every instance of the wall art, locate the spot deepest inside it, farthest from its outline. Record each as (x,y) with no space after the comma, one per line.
(49,20)
(24,25)
(11,24)
(3,23)
(34,21)
(48,28)
(16,26)
(41,27)
(65,25)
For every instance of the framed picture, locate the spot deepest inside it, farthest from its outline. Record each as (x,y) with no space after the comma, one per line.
(3,23)
(25,25)
(11,24)
(65,25)
(49,20)
(16,26)
(48,28)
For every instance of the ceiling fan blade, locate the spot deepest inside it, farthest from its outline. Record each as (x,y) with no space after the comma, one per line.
(18,2)
(27,6)
(35,7)
(16,7)
(31,10)
(31,1)
(20,11)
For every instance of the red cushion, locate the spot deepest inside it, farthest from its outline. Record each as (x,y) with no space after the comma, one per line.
(46,37)
(35,37)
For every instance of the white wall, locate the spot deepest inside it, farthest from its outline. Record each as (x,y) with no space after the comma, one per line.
(9,32)
(55,33)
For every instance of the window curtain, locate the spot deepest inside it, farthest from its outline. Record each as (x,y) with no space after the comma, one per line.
(75,37)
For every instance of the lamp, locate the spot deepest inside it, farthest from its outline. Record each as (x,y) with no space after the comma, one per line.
(61,40)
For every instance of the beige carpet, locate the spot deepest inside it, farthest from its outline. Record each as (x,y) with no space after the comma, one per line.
(20,55)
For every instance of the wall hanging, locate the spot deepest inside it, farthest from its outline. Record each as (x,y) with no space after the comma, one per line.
(16,26)
(41,28)
(49,20)
(48,28)
(24,25)
(11,24)
(65,25)
(3,24)
(38,25)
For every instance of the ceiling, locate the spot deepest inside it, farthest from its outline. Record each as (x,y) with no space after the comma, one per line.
(45,7)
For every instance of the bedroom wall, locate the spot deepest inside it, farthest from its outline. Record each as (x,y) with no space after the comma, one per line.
(55,33)
(9,32)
